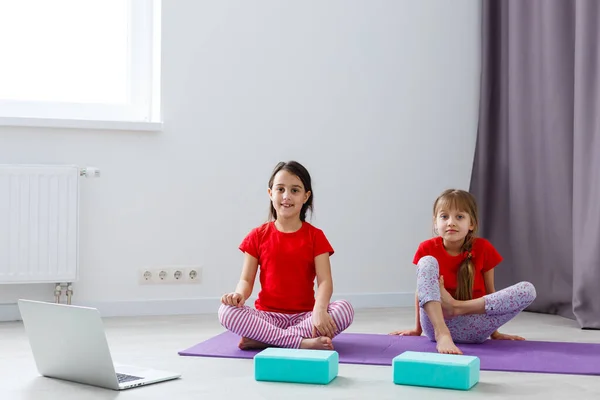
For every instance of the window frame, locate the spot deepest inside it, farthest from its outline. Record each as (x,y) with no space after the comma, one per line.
(143,112)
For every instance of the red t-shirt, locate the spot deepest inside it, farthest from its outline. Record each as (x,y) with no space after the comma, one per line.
(483,255)
(287,266)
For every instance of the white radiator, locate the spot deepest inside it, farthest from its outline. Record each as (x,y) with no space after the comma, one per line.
(39,228)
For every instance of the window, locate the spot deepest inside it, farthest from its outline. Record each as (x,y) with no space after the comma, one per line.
(76,62)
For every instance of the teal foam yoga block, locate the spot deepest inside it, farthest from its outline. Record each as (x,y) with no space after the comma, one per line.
(296,365)
(449,371)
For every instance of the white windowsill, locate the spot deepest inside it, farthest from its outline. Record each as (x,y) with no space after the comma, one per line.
(82,124)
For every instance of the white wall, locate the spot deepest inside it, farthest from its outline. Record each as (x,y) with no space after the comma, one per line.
(378,98)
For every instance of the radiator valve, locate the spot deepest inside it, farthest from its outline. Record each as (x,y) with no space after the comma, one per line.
(90,172)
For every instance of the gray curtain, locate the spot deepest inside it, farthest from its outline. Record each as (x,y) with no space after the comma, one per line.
(536,172)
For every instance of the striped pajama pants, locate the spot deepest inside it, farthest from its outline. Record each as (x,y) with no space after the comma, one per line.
(500,306)
(277,329)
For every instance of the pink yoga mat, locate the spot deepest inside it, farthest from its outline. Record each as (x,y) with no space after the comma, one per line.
(495,355)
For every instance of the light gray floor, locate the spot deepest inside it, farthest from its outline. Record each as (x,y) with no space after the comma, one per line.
(154,342)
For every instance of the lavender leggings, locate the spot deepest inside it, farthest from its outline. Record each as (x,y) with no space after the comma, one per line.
(500,307)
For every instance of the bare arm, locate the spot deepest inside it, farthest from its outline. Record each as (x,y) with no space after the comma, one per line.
(243,290)
(248,276)
(488,279)
(418,328)
(323,323)
(324,282)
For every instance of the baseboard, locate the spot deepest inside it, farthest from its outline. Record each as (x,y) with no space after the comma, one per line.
(129,308)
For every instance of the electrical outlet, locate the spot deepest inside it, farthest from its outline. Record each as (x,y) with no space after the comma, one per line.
(146,277)
(194,275)
(163,275)
(170,275)
(178,275)
(154,276)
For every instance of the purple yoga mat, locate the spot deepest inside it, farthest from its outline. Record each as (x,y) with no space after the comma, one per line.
(494,355)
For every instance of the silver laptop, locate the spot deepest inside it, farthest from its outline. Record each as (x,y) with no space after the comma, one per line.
(68,342)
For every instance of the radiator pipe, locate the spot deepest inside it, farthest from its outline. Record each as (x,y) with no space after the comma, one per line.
(69,293)
(57,293)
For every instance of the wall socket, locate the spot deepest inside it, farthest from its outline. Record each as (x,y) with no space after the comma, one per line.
(171,275)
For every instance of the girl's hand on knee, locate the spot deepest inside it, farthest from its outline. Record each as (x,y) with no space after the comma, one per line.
(323,324)
(503,336)
(407,332)
(233,299)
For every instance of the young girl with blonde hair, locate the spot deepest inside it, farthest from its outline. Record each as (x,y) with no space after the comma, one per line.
(456,300)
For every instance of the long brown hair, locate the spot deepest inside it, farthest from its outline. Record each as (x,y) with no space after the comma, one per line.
(454,199)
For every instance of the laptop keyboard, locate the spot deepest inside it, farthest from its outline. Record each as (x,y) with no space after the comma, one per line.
(127,378)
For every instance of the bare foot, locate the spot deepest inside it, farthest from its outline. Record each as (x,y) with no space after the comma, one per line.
(320,343)
(448,302)
(445,344)
(249,344)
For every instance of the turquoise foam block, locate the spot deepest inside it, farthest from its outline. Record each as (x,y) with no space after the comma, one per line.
(296,365)
(449,371)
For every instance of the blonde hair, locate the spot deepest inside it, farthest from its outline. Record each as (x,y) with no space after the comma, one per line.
(454,199)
